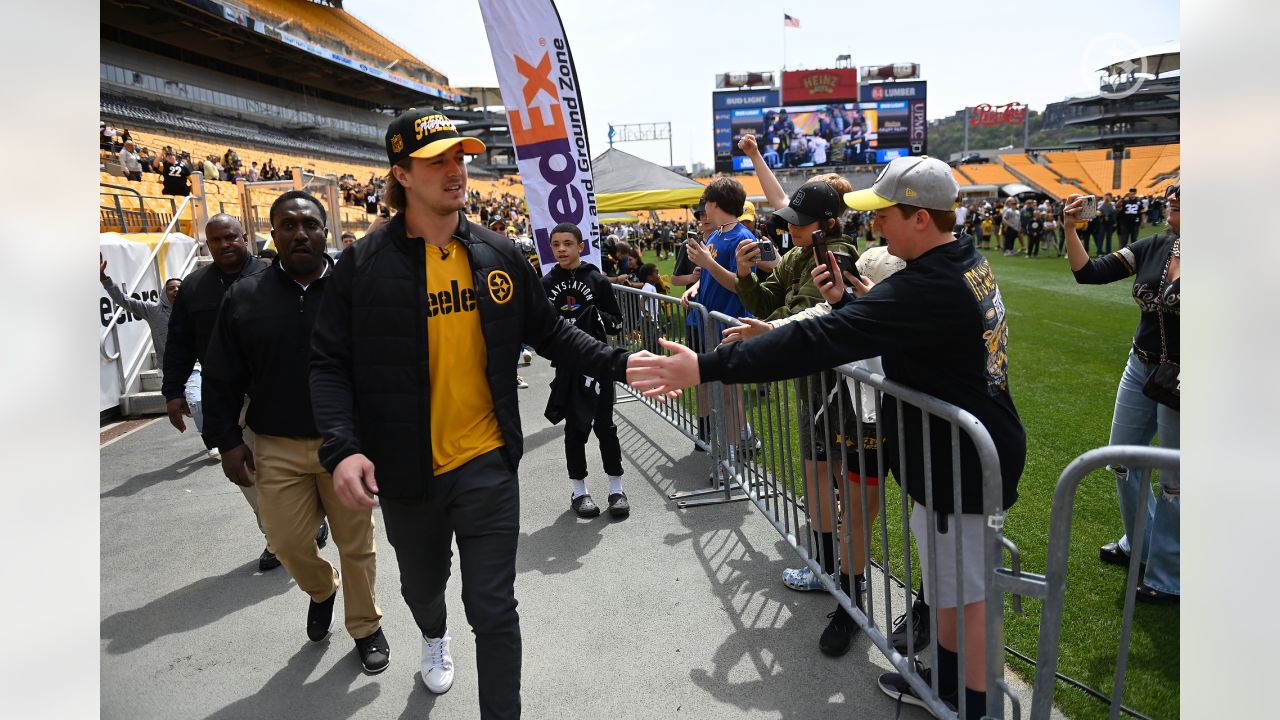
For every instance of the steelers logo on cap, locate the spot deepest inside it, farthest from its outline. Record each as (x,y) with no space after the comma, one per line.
(397,143)
(500,287)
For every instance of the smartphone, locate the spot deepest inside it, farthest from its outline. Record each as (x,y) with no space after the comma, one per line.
(819,246)
(691,235)
(767,252)
(1090,210)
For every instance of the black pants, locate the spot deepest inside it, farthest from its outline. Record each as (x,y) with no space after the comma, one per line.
(480,503)
(1102,239)
(1010,235)
(575,440)
(1128,233)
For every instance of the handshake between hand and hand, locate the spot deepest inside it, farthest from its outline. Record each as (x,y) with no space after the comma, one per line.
(663,376)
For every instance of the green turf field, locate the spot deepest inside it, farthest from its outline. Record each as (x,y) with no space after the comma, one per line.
(1068,344)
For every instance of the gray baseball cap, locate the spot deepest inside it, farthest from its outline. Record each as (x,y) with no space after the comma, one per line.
(920,181)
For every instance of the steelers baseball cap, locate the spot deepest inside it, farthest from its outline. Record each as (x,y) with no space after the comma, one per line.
(425,133)
(815,200)
(748,212)
(921,181)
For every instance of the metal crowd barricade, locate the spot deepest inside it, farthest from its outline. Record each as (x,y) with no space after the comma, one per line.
(1051,587)
(646,317)
(773,477)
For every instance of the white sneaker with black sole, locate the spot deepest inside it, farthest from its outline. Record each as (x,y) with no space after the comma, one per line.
(437,664)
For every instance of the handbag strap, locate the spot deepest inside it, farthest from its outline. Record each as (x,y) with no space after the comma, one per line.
(1164,279)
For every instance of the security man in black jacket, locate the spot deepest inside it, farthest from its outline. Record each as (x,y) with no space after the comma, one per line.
(191,324)
(261,347)
(413,373)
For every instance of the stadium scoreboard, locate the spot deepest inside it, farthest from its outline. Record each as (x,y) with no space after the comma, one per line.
(859,124)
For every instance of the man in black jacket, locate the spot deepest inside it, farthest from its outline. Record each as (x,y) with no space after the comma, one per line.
(190,326)
(261,347)
(940,326)
(414,372)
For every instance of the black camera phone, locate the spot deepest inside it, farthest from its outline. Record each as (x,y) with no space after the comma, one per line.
(819,239)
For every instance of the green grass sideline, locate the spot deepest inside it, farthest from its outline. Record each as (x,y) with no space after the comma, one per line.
(1068,344)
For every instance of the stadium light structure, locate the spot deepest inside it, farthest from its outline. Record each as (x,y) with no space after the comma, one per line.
(643,132)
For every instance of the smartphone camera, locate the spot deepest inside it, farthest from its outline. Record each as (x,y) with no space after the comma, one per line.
(819,240)
(1090,209)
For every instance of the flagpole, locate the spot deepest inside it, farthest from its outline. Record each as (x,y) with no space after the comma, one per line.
(784,44)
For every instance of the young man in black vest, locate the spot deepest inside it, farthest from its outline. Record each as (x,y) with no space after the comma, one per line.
(413,382)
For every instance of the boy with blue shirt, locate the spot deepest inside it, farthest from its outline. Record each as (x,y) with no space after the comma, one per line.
(722,203)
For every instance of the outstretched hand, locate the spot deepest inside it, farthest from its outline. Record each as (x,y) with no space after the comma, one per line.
(750,327)
(663,376)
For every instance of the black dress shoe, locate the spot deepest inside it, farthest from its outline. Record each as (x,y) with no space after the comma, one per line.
(375,653)
(584,506)
(322,535)
(267,561)
(320,618)
(1113,554)
(618,505)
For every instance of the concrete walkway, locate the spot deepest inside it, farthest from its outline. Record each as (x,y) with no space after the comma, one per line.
(666,614)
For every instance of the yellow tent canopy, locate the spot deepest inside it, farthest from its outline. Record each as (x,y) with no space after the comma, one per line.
(625,182)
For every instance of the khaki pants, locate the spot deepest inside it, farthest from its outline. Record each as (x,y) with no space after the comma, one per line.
(294,495)
(251,493)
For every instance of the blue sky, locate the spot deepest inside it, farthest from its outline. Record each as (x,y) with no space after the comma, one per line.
(657,61)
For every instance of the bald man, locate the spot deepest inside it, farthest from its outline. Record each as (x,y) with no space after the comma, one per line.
(190,327)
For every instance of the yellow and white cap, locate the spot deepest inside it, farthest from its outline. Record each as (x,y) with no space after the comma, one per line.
(921,181)
(425,133)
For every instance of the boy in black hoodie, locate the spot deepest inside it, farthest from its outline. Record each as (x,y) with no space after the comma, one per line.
(582,295)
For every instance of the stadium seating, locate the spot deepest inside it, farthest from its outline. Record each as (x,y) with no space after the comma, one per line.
(989,174)
(348,31)
(1038,175)
(134,110)
(1150,168)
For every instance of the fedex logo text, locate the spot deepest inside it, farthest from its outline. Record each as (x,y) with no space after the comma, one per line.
(543,133)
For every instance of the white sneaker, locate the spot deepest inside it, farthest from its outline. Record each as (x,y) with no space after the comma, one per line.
(437,664)
(520,383)
(526,357)
(214,454)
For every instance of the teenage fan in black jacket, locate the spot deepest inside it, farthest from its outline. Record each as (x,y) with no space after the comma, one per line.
(583,296)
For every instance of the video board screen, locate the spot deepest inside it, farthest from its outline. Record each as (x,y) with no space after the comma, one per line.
(863,133)
(723,107)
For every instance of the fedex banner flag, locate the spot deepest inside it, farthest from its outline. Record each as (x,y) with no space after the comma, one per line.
(544,113)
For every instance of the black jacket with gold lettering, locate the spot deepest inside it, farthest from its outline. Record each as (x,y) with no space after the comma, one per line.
(370,383)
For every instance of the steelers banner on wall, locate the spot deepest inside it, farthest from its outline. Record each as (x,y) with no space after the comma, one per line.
(544,113)
(126,255)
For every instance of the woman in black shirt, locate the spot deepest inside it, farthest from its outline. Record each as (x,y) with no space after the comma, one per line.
(1155,262)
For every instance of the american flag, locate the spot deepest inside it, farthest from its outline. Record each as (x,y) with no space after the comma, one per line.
(788,21)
